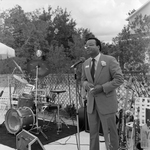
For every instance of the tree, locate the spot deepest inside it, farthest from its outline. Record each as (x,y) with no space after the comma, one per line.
(47,30)
(132,46)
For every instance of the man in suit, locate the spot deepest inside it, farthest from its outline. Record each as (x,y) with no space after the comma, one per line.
(101,75)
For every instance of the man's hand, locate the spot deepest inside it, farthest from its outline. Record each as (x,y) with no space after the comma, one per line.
(88,86)
(96,90)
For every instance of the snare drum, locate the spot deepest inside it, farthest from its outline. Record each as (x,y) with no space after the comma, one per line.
(18,119)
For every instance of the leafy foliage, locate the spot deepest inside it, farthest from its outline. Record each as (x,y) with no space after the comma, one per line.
(133,43)
(55,33)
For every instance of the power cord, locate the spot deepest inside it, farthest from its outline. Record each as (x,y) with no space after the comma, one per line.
(65,143)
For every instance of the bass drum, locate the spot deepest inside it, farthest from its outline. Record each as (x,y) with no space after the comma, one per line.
(18,119)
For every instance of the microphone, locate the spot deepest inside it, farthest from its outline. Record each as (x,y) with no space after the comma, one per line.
(1,93)
(82,59)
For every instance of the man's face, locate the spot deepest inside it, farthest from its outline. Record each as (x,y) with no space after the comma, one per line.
(91,48)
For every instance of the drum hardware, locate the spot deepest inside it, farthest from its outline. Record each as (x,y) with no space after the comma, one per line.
(50,108)
(59,120)
(37,66)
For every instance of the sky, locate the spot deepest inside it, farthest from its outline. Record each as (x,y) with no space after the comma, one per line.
(104,18)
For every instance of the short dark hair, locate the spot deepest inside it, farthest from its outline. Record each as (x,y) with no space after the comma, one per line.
(98,42)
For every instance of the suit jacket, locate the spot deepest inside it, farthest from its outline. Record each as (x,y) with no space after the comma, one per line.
(109,75)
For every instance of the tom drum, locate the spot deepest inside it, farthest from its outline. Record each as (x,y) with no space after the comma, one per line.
(25,102)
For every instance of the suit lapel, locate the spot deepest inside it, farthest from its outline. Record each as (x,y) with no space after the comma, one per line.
(88,70)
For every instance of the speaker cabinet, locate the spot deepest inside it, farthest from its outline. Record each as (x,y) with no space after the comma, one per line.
(147,117)
(27,141)
(83,120)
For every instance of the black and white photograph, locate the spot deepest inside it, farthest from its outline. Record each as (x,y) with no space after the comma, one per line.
(75,74)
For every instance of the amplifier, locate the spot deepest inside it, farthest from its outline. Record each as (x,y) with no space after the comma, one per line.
(27,141)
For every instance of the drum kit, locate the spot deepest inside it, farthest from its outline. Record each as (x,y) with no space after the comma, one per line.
(25,116)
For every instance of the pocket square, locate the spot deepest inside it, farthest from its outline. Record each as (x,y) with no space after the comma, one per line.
(86,66)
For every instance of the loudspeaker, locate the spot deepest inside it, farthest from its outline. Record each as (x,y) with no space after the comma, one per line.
(27,141)
(83,120)
(147,117)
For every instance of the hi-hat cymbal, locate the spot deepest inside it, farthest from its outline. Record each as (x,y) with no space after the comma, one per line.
(58,91)
(21,79)
(43,68)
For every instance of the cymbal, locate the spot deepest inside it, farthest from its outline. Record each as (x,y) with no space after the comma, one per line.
(58,91)
(21,79)
(43,68)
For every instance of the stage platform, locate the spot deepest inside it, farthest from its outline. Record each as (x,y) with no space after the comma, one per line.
(68,143)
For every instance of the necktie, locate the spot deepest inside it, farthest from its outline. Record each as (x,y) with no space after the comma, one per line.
(93,68)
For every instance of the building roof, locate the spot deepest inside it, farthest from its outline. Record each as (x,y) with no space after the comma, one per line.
(143,6)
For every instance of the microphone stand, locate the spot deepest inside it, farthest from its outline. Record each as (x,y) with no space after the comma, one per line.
(77,112)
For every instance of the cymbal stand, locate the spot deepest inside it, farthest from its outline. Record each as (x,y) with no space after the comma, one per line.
(37,127)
